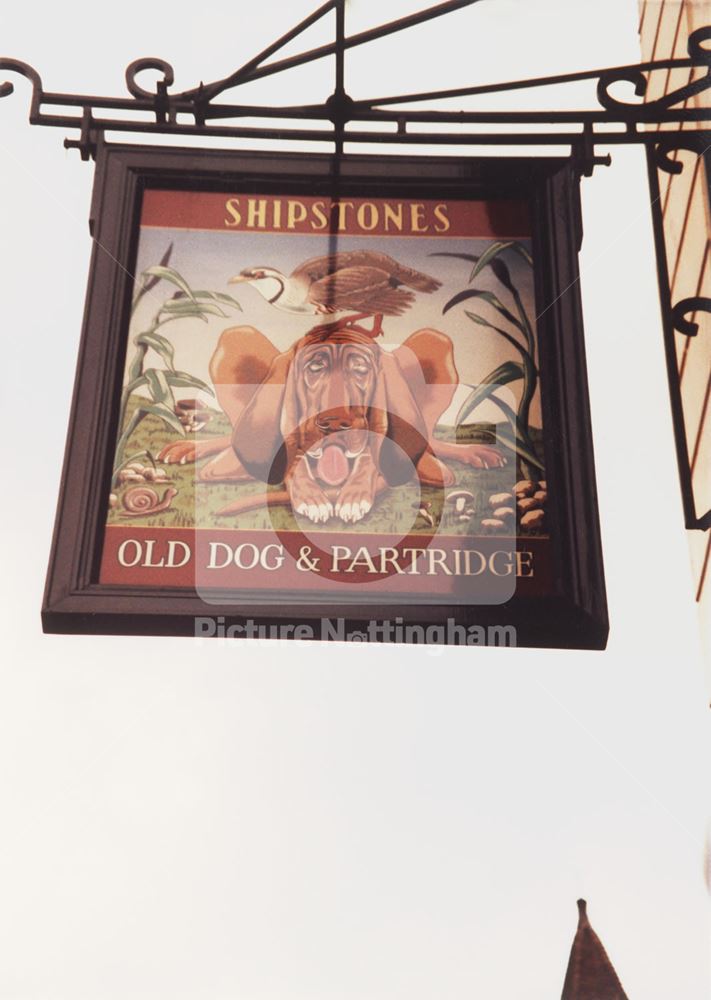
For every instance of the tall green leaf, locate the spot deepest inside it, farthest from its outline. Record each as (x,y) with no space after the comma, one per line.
(158,386)
(183,309)
(171,317)
(470,257)
(131,425)
(503,274)
(147,283)
(482,321)
(489,254)
(171,275)
(217,296)
(522,252)
(135,384)
(492,258)
(162,411)
(190,307)
(493,252)
(136,366)
(493,300)
(185,381)
(507,372)
(523,440)
(160,344)
(507,437)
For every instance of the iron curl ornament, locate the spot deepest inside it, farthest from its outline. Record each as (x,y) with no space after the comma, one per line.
(687,307)
(698,56)
(678,317)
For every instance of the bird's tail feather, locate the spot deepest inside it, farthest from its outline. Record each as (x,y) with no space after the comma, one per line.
(417,280)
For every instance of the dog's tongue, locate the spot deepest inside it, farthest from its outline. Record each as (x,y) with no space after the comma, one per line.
(332,467)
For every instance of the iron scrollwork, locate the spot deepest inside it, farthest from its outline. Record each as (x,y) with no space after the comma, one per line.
(699,56)
(687,307)
(677,316)
(340,118)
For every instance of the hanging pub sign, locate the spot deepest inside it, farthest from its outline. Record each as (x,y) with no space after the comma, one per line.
(331,401)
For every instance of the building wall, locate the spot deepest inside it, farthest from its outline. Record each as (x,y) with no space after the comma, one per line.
(664,30)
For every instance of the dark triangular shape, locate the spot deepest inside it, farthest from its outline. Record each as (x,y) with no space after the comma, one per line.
(590,974)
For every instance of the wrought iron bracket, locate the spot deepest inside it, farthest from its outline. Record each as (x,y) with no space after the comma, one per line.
(340,119)
(680,316)
(663,126)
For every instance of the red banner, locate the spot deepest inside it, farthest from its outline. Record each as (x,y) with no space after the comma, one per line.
(469,569)
(348,216)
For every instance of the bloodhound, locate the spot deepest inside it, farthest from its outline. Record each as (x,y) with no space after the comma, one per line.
(335,419)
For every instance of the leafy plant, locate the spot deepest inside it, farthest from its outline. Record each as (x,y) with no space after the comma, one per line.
(516,328)
(185,303)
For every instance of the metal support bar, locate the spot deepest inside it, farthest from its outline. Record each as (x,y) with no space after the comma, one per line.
(675,316)
(343,120)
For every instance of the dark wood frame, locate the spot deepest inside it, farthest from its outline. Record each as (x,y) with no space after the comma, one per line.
(574,615)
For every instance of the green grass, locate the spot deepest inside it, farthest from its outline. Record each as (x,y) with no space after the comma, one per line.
(197,504)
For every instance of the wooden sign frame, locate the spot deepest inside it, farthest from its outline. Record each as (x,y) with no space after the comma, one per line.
(570,612)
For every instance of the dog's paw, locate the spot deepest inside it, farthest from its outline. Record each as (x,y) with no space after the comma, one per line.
(318,513)
(179,453)
(352,506)
(310,501)
(481,456)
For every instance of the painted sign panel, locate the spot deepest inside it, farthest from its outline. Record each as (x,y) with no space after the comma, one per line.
(331,394)
(350,392)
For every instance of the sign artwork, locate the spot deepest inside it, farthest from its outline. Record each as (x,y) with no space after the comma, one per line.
(334,397)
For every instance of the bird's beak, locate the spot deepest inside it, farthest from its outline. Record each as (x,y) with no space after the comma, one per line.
(237,279)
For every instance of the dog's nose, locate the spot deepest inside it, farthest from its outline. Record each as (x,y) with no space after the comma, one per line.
(329,423)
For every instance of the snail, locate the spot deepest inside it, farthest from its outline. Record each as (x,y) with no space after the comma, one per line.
(140,501)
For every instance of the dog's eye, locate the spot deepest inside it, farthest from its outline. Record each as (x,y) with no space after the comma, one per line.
(315,367)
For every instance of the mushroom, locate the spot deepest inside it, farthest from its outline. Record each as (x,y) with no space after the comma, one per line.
(525,488)
(130,476)
(155,475)
(459,498)
(492,524)
(526,504)
(541,496)
(424,510)
(533,519)
(192,414)
(505,513)
(500,499)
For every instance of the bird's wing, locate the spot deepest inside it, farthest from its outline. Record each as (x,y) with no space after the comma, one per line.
(317,268)
(363,288)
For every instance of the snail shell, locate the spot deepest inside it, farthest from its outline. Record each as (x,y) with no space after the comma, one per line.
(139,501)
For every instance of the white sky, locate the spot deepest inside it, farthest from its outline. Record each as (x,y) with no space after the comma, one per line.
(192,819)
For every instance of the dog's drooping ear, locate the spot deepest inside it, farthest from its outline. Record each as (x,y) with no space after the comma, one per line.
(396,415)
(258,436)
